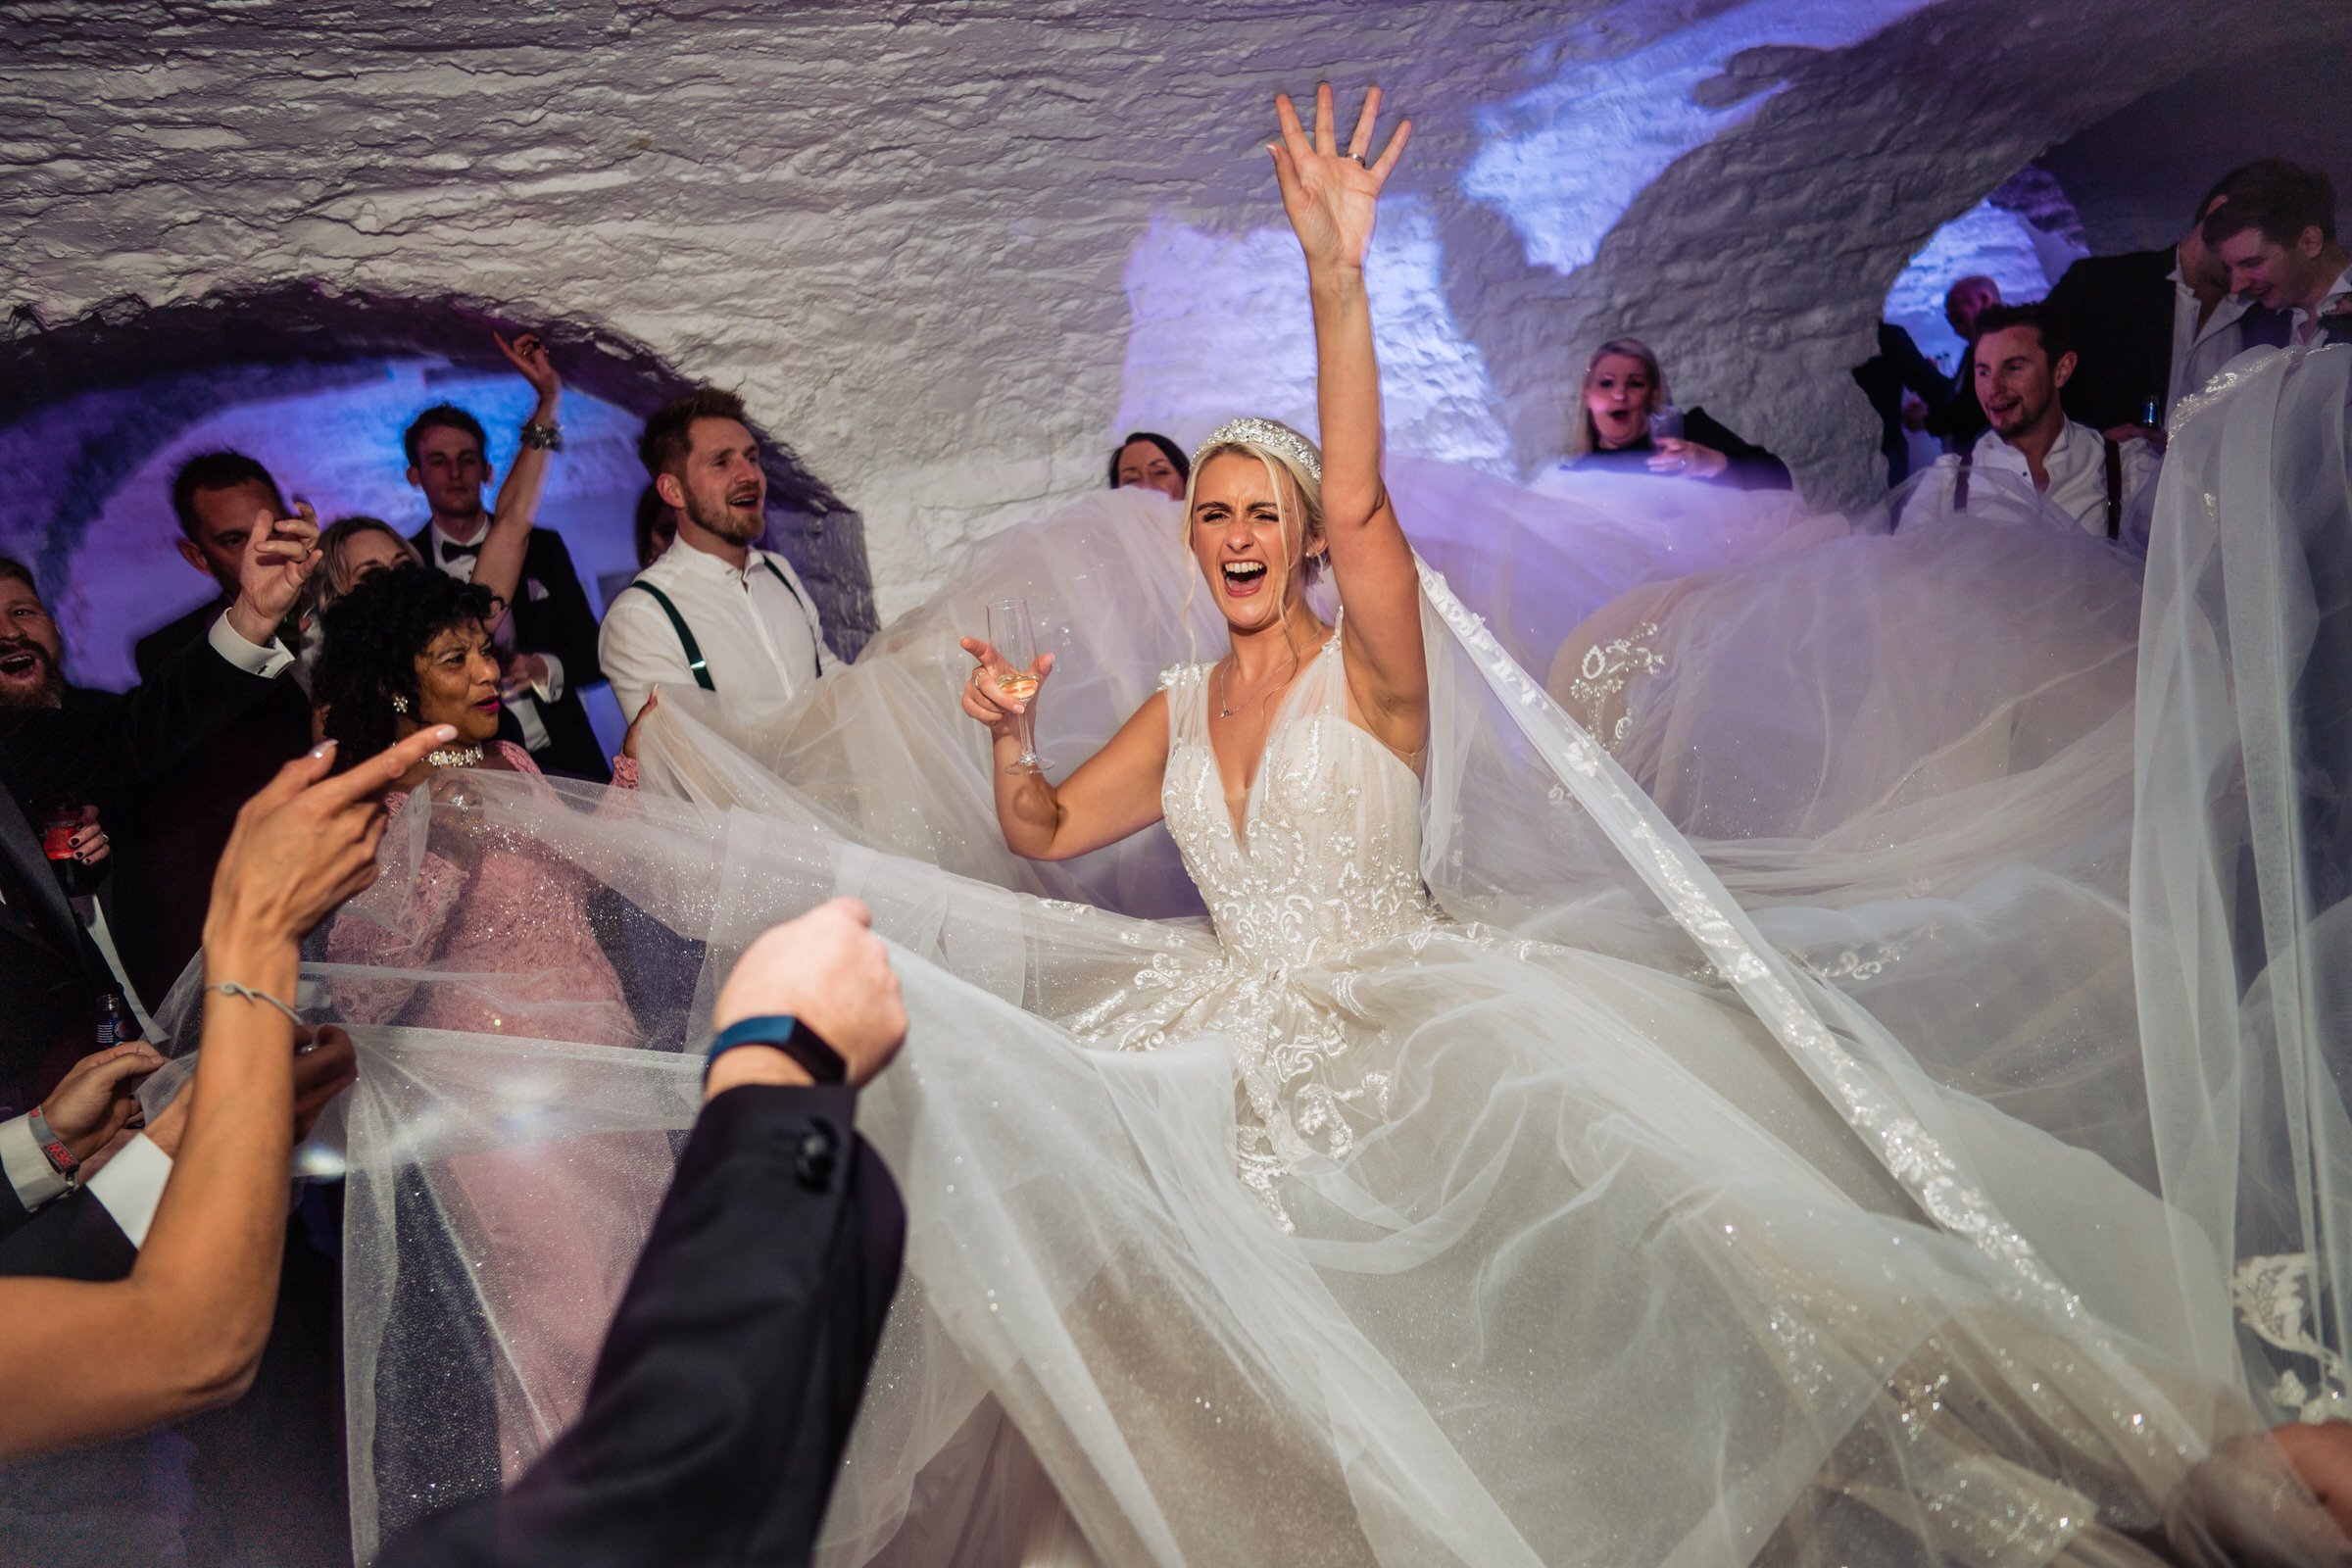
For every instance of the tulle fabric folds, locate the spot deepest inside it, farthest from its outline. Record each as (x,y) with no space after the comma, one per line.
(1664,1242)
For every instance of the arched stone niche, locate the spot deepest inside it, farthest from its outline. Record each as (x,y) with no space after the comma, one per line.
(96,410)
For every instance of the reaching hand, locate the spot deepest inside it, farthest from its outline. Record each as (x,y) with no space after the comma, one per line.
(522,671)
(280,554)
(1675,455)
(306,842)
(324,1066)
(98,1096)
(528,354)
(988,703)
(1330,195)
(628,742)
(829,970)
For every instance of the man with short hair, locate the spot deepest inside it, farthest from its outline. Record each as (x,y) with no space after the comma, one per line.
(2153,326)
(169,833)
(715,612)
(1960,420)
(550,627)
(2277,235)
(2020,364)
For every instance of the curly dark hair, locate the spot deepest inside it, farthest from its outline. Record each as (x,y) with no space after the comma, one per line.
(372,637)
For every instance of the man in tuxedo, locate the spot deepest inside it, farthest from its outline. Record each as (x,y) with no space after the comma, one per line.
(551,630)
(64,744)
(2153,326)
(2277,235)
(1960,420)
(720,1407)
(168,829)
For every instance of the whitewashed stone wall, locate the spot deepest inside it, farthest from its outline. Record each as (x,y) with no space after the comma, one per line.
(949,250)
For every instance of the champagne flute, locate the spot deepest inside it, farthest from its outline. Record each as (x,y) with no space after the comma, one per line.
(1013,637)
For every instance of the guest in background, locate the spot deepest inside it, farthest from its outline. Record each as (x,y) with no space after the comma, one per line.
(1906,390)
(64,748)
(657,526)
(167,831)
(2153,326)
(553,631)
(350,549)
(2277,235)
(2023,360)
(1152,460)
(716,610)
(1624,386)
(715,1436)
(1960,420)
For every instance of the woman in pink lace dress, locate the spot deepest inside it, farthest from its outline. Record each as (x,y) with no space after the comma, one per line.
(411,647)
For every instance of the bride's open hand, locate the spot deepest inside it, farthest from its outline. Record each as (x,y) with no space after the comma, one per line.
(1330,195)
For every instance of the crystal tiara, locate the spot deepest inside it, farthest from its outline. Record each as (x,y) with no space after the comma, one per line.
(1255,432)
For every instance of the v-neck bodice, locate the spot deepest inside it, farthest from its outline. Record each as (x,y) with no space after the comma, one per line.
(1327,855)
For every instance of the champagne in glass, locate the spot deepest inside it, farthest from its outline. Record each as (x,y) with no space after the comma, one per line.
(1015,638)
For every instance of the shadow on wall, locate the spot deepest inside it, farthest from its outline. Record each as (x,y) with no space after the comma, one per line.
(97,412)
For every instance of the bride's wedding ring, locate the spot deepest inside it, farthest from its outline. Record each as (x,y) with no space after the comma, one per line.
(1357,159)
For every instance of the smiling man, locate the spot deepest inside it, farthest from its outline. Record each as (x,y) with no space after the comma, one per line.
(2277,236)
(716,610)
(2021,362)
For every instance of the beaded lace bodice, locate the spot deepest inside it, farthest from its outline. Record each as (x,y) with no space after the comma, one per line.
(1326,857)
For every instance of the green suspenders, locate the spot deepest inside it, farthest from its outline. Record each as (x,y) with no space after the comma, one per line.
(693,651)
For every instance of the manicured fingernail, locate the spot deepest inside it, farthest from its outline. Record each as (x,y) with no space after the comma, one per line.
(445,732)
(323,749)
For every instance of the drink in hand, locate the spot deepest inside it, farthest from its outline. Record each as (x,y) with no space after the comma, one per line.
(1017,684)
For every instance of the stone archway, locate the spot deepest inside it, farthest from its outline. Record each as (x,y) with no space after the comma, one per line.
(85,403)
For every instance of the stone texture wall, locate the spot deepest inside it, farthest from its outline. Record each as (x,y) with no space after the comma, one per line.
(948,249)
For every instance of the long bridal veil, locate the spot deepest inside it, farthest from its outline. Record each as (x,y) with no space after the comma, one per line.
(1624,1228)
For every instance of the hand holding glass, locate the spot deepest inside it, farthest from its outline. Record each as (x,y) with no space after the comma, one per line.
(1016,674)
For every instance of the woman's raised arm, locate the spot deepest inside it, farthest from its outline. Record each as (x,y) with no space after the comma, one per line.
(1330,198)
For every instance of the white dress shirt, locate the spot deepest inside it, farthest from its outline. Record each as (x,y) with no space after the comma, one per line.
(525,711)
(2200,352)
(2307,323)
(2077,468)
(760,637)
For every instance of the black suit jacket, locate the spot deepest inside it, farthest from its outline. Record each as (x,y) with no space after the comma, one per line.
(1898,368)
(551,615)
(716,1418)
(72,1238)
(2119,311)
(93,747)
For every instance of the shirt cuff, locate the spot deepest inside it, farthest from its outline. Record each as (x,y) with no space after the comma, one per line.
(231,644)
(35,1180)
(550,690)
(131,1184)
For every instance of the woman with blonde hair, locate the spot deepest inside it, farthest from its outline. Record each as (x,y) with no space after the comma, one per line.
(1626,420)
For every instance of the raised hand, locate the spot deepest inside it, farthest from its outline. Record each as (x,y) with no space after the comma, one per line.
(280,554)
(1329,195)
(528,354)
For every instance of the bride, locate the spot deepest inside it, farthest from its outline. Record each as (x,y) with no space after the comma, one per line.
(1574,1224)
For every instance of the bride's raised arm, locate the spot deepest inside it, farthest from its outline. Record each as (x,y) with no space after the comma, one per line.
(1330,198)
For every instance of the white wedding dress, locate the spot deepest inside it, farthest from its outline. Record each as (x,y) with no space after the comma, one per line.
(1476,1183)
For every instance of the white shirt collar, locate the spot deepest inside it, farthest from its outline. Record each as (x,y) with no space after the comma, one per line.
(703,563)
(480,534)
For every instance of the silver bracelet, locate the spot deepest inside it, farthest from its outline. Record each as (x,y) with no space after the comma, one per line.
(230,987)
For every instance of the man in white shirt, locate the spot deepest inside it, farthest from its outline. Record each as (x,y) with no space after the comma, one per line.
(715,612)
(2021,361)
(2276,234)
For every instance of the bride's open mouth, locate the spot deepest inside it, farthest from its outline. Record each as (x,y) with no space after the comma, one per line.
(1243,577)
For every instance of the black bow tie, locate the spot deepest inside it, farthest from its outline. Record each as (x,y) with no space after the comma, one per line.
(451,550)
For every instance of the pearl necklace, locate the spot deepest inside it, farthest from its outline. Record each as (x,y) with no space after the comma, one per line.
(454,755)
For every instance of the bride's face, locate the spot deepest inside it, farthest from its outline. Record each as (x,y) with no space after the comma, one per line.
(1239,541)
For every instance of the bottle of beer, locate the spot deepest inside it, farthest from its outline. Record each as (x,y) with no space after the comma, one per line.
(117,1023)
(59,824)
